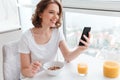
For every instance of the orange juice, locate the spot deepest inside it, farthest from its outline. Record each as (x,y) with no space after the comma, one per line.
(82,68)
(111,69)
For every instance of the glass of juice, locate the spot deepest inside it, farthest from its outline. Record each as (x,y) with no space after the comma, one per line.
(82,69)
(111,69)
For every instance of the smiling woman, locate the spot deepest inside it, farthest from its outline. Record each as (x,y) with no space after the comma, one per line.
(40,44)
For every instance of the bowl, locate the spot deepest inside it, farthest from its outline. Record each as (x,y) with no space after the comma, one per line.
(53,68)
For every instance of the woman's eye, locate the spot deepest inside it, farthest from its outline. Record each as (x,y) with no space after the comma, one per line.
(51,12)
(54,13)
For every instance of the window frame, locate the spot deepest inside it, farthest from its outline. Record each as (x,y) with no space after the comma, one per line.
(112,6)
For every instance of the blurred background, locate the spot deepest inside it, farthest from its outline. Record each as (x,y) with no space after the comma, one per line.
(103,16)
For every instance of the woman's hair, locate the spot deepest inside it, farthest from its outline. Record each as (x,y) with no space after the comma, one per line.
(41,6)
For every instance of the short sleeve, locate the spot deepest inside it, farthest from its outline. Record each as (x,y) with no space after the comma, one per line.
(61,35)
(23,45)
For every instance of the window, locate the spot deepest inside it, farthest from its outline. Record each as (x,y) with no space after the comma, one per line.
(26,10)
(9,15)
(105,24)
(25,13)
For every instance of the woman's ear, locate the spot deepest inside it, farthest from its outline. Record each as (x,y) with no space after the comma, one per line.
(40,15)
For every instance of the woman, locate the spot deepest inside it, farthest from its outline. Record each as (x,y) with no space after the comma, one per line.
(40,44)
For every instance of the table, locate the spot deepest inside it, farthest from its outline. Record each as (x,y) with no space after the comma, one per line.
(95,71)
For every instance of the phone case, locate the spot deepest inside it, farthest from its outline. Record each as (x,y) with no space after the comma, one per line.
(86,30)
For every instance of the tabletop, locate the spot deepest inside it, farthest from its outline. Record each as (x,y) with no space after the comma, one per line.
(69,72)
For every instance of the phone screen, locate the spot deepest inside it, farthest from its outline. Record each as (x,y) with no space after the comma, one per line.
(86,30)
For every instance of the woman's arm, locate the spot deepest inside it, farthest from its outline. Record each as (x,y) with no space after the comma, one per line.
(29,69)
(70,55)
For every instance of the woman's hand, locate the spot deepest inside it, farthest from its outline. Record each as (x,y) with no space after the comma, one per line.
(32,69)
(86,43)
(35,66)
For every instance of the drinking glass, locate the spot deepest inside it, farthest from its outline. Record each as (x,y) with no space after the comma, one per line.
(82,69)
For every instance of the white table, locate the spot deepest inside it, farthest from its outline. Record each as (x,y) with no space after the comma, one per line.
(95,71)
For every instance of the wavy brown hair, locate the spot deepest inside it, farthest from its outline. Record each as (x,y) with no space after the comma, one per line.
(41,6)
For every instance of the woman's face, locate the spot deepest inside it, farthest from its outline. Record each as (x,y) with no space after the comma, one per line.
(50,15)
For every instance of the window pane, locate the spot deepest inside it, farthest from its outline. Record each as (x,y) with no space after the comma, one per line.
(104,30)
(9,16)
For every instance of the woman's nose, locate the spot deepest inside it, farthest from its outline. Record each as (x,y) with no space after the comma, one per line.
(56,16)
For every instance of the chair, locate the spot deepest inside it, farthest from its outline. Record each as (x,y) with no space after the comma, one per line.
(11,61)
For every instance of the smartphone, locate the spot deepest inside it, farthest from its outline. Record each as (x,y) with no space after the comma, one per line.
(86,30)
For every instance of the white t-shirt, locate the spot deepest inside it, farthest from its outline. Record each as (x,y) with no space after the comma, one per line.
(42,53)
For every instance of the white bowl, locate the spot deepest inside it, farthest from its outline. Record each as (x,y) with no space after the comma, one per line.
(54,72)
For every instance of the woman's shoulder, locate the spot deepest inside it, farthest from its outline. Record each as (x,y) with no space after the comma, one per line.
(58,32)
(26,33)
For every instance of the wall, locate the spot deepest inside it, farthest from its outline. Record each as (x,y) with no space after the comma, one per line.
(5,38)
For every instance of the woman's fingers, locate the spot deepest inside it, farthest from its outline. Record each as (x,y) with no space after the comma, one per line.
(30,71)
(34,71)
(36,66)
(87,42)
(89,35)
(87,39)
(37,63)
(83,43)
